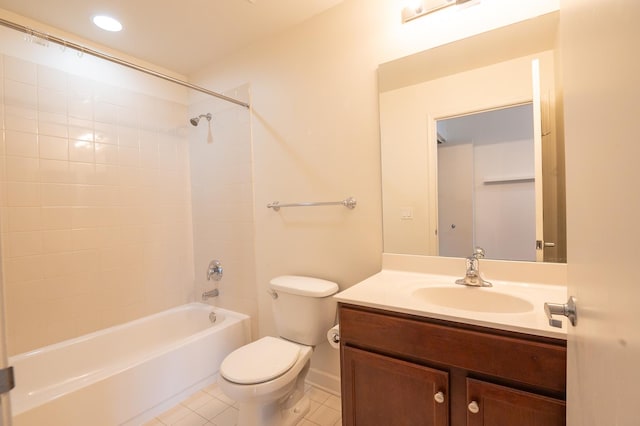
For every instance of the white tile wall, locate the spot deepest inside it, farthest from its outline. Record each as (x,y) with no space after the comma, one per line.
(222,199)
(94,202)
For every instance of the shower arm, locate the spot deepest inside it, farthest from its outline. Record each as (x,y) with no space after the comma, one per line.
(196,120)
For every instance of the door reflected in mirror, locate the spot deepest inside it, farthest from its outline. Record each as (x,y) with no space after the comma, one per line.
(486,191)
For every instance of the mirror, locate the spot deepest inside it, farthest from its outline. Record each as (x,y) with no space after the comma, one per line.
(426,97)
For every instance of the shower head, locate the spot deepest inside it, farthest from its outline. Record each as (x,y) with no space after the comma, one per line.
(195,120)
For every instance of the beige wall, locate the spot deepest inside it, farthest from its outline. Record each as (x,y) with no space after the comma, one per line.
(315,134)
(314,129)
(95,208)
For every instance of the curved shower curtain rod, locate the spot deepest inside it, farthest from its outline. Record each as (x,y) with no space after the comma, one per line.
(83,49)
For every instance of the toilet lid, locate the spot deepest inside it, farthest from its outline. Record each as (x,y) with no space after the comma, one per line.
(259,361)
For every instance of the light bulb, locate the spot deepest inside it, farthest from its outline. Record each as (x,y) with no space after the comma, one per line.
(107,23)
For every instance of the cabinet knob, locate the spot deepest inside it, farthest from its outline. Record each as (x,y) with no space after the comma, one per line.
(473,407)
(439,397)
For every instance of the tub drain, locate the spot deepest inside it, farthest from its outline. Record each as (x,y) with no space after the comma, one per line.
(212,317)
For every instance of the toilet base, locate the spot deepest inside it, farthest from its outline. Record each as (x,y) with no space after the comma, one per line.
(293,415)
(285,411)
(273,414)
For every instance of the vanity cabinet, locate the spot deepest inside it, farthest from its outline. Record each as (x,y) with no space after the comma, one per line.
(400,369)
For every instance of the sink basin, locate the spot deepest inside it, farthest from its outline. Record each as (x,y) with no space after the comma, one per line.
(473,299)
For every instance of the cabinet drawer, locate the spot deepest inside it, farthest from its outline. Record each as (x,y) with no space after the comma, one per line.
(512,358)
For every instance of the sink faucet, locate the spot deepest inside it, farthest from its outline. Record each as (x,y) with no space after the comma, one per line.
(472,277)
(211,293)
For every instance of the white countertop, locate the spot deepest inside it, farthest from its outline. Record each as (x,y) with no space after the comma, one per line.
(394,291)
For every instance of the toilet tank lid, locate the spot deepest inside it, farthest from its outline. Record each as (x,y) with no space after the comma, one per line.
(304,286)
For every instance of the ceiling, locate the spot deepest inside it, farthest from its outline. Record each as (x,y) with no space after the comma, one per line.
(183,36)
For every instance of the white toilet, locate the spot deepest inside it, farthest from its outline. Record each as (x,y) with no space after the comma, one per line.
(266,377)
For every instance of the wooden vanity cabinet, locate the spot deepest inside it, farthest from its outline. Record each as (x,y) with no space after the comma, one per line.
(405,370)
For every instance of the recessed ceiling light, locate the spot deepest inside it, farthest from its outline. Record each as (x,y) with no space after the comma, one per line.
(107,23)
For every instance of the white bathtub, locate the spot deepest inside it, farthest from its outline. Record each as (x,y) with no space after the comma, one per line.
(127,374)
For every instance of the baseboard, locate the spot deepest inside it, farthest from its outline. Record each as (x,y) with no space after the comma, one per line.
(324,381)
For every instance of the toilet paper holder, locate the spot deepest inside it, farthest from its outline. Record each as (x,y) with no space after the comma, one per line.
(333,336)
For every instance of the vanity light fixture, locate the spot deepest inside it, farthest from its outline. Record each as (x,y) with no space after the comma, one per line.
(425,7)
(107,23)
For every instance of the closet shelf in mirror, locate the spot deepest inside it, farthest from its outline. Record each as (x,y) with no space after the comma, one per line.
(507,179)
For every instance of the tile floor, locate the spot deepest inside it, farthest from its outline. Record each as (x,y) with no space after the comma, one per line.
(210,406)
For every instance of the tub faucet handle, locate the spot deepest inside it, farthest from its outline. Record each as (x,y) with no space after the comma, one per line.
(214,270)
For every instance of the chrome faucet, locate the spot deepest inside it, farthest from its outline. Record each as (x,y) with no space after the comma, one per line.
(472,277)
(214,270)
(211,293)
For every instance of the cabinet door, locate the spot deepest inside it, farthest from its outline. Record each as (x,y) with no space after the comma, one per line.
(380,390)
(493,405)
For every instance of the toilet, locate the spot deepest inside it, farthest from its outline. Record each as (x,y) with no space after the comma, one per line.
(266,377)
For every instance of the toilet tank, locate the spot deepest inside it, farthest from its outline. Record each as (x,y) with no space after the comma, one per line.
(303,308)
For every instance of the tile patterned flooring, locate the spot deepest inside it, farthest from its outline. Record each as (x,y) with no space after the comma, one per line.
(210,407)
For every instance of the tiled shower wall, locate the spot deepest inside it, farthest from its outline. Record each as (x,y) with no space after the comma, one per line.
(222,202)
(95,204)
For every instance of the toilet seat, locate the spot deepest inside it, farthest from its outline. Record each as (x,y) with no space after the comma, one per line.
(260,361)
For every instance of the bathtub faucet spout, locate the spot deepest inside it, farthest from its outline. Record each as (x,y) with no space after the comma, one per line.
(209,294)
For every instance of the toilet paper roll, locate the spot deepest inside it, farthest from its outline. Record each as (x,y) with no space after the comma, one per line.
(333,336)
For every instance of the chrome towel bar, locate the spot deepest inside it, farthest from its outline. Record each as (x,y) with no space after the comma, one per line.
(349,203)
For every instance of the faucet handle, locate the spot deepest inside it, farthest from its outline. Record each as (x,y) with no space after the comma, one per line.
(478,253)
(215,270)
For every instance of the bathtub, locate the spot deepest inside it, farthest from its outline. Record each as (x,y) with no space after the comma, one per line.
(126,374)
